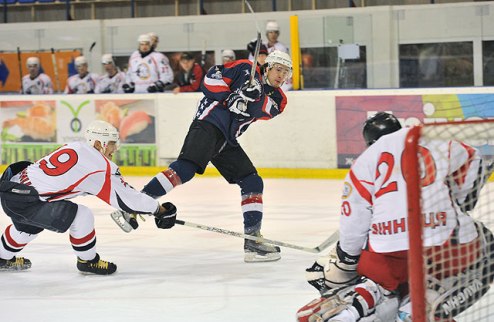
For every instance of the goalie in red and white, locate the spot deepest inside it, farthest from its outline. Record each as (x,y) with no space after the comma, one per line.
(365,278)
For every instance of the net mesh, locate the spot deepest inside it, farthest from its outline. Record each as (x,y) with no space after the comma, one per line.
(456,209)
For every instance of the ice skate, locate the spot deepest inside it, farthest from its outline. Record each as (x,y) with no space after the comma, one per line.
(96,266)
(260,252)
(15,264)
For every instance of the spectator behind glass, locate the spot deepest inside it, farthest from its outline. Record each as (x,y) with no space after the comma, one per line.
(190,76)
(272,33)
(227,56)
(36,82)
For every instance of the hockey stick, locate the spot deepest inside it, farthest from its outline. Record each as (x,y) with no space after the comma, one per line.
(258,46)
(325,244)
(92,46)
(19,61)
(55,69)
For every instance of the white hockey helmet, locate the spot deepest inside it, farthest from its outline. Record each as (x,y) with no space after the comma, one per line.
(144,38)
(101,131)
(279,57)
(81,60)
(228,53)
(107,59)
(154,37)
(32,61)
(272,26)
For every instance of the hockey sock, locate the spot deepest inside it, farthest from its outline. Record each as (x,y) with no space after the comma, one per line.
(178,173)
(13,241)
(251,189)
(82,234)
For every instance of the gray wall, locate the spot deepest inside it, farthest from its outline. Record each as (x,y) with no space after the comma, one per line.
(381,29)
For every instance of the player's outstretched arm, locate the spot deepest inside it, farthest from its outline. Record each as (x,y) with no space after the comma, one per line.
(164,217)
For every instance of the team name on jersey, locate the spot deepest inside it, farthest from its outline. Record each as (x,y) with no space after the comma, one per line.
(396,226)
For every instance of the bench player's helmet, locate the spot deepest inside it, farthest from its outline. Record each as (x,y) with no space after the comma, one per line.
(101,131)
(380,124)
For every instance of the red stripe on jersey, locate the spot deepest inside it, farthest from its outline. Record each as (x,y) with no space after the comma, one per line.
(254,198)
(82,240)
(366,295)
(172,176)
(461,174)
(104,193)
(10,240)
(364,193)
(69,189)
(217,88)
(283,101)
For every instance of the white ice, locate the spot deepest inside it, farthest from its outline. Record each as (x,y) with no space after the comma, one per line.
(182,274)
(185,274)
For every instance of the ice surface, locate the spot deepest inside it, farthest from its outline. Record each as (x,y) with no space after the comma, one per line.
(182,274)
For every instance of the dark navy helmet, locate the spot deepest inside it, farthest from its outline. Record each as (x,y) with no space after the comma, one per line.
(380,124)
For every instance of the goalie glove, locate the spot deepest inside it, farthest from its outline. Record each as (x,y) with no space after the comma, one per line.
(166,216)
(333,271)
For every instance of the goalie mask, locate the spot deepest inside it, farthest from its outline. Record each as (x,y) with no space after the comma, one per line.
(103,132)
(380,124)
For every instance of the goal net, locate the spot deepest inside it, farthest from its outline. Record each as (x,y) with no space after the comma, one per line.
(447,168)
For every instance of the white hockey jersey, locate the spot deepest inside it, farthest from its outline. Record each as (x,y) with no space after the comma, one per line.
(374,199)
(77,169)
(41,84)
(143,72)
(78,85)
(107,84)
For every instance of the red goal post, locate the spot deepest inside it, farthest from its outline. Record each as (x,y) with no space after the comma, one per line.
(422,262)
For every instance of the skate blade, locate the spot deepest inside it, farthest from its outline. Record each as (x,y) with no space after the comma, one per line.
(253,257)
(119,219)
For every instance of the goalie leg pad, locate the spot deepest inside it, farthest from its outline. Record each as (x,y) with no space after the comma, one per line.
(330,304)
(465,292)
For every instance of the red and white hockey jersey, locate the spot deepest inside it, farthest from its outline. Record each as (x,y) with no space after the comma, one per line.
(374,199)
(77,169)
(41,84)
(78,85)
(144,71)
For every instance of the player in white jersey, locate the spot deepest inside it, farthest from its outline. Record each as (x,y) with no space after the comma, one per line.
(112,80)
(149,71)
(371,256)
(35,197)
(36,82)
(272,44)
(83,82)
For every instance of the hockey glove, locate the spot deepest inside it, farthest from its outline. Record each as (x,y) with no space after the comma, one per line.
(336,270)
(129,88)
(236,104)
(157,86)
(250,92)
(165,219)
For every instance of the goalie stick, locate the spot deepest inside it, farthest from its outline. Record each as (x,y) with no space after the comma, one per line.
(325,244)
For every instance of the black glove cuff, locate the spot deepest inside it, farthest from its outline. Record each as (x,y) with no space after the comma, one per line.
(346,258)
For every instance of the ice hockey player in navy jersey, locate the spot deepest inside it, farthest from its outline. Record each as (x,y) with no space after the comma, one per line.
(229,106)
